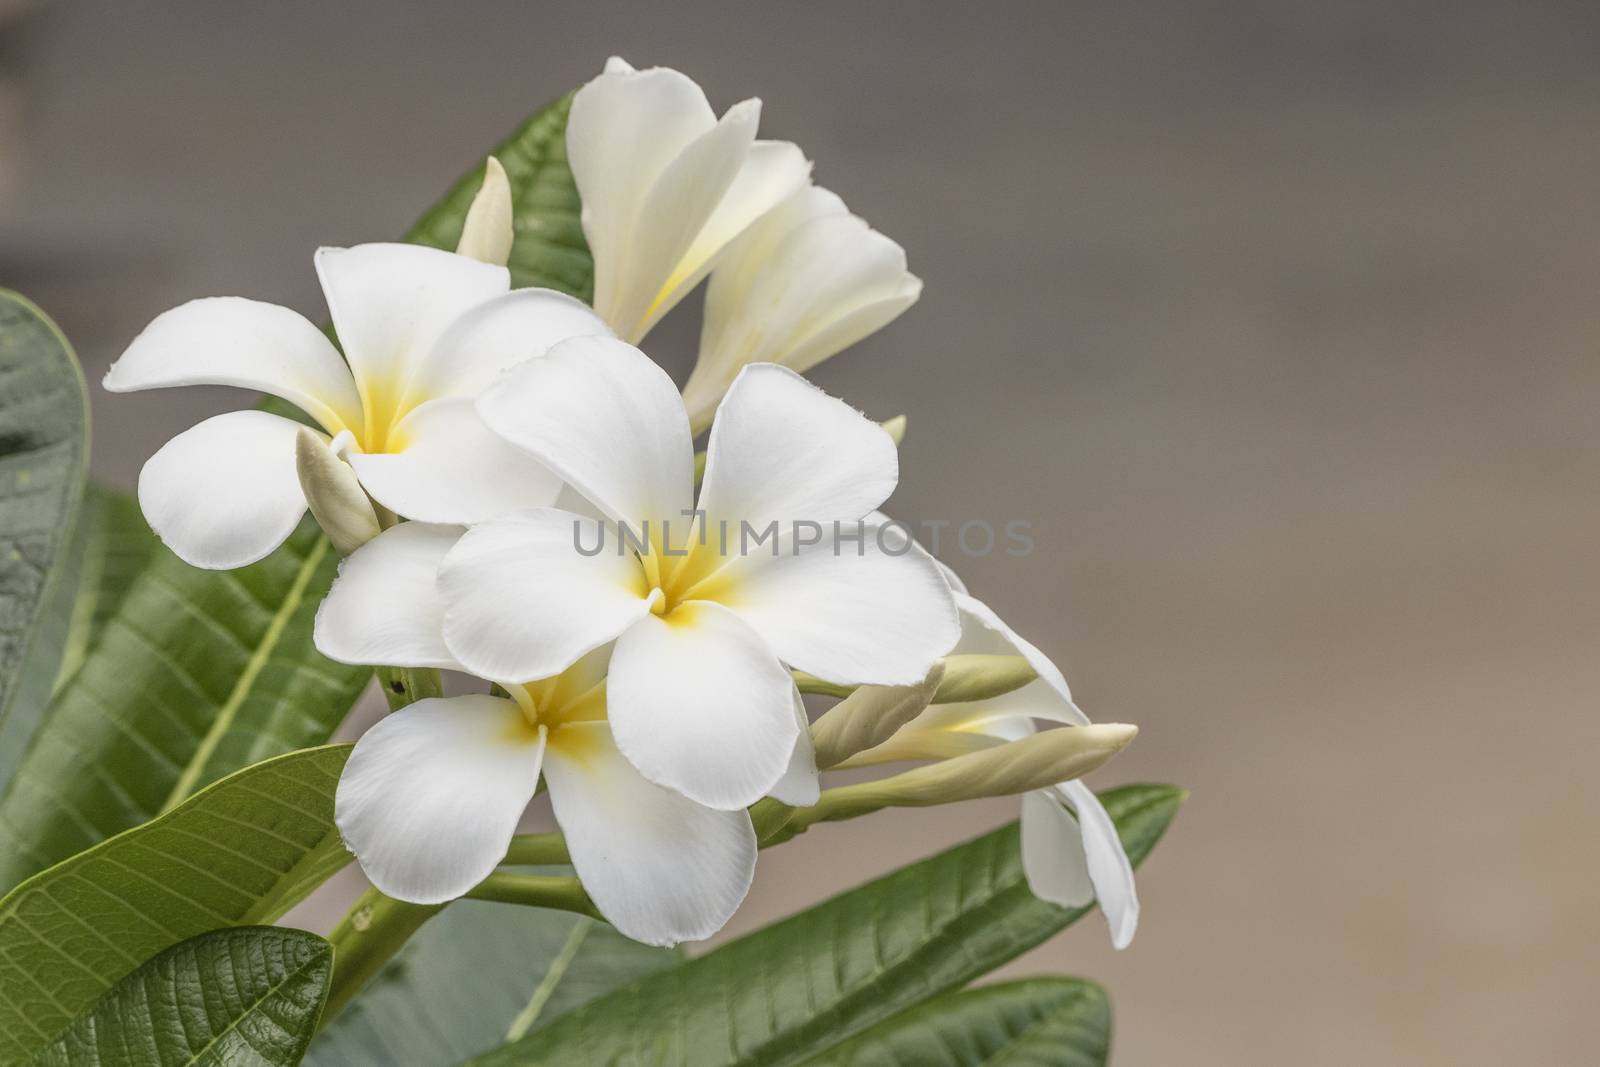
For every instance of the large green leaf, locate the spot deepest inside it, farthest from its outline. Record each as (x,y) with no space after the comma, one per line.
(802,985)
(475,974)
(549,249)
(1040,1022)
(241,851)
(110,545)
(195,674)
(44,446)
(229,997)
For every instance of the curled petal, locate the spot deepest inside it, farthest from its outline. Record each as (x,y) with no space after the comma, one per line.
(225,493)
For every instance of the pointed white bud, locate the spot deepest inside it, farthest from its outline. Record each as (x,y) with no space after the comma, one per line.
(1033,762)
(869,716)
(334,494)
(487,234)
(896,428)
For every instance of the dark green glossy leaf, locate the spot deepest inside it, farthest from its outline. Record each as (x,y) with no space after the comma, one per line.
(110,545)
(801,986)
(239,852)
(44,446)
(1040,1022)
(475,974)
(549,249)
(229,998)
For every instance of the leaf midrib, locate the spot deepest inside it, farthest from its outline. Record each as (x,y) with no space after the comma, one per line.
(259,657)
(262,999)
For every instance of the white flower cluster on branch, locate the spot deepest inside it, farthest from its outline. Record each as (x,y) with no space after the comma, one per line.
(472,444)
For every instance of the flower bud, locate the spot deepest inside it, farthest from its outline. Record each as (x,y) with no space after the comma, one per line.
(982,677)
(1033,762)
(867,717)
(486,235)
(896,428)
(334,494)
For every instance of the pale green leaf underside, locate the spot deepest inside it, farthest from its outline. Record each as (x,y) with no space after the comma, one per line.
(1038,1022)
(110,545)
(194,675)
(241,851)
(231,997)
(44,445)
(475,973)
(802,985)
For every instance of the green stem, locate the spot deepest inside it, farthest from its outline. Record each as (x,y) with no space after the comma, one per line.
(407,685)
(367,938)
(535,890)
(537,850)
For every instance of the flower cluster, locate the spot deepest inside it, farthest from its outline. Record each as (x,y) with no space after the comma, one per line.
(471,444)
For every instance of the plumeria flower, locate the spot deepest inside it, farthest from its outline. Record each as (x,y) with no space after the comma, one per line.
(432,794)
(806,281)
(665,186)
(423,331)
(1071,852)
(707,619)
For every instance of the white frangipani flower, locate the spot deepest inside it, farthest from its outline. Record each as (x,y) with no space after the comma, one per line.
(665,186)
(706,627)
(432,794)
(423,331)
(804,282)
(1071,852)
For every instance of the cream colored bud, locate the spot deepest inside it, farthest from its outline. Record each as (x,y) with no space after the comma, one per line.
(1033,762)
(487,233)
(982,677)
(869,716)
(896,428)
(334,494)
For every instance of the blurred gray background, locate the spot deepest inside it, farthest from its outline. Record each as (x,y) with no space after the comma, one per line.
(1277,321)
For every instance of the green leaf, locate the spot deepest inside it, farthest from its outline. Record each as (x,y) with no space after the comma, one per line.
(241,851)
(194,675)
(44,446)
(244,996)
(476,973)
(110,545)
(800,986)
(1041,1022)
(549,249)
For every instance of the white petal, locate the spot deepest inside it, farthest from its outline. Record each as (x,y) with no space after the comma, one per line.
(845,611)
(500,333)
(660,868)
(1073,861)
(384,608)
(770,172)
(800,786)
(678,207)
(225,493)
(522,602)
(605,419)
(1052,852)
(985,633)
(1109,867)
(391,302)
(231,341)
(825,284)
(784,451)
(700,704)
(431,795)
(445,465)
